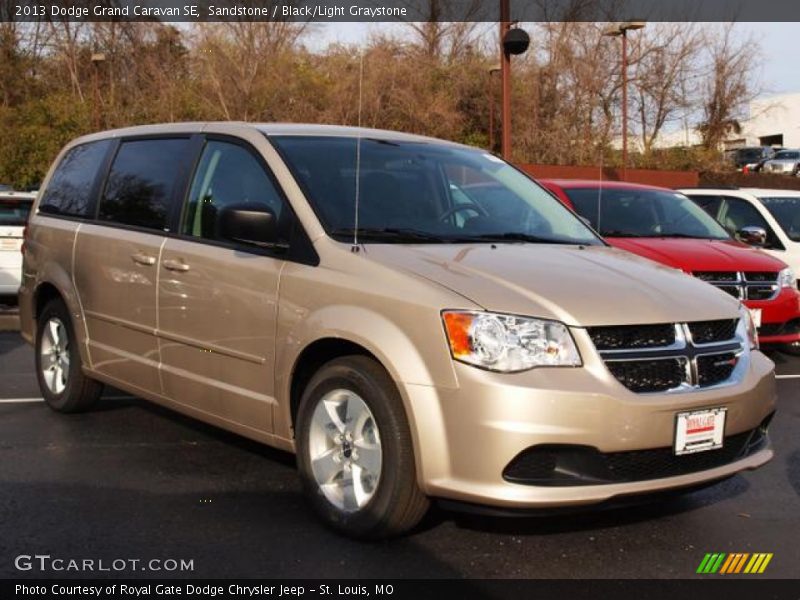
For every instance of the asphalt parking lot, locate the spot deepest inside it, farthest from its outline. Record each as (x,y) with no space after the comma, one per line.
(132,480)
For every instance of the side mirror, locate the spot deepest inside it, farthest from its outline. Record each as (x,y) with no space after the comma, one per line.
(249,224)
(752,236)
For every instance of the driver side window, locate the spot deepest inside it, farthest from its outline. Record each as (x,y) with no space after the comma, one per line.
(227,174)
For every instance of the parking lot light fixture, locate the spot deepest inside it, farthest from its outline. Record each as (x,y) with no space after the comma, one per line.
(621,30)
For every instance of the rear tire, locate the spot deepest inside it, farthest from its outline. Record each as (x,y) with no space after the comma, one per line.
(354,451)
(59,368)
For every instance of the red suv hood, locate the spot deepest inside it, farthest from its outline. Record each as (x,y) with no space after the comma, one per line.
(699,255)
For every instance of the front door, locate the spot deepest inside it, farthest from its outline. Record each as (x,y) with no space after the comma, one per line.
(218,299)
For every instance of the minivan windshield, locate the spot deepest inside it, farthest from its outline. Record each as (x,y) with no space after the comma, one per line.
(787,213)
(424,192)
(644,213)
(14,211)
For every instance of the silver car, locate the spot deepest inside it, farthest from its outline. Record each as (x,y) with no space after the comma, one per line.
(785,161)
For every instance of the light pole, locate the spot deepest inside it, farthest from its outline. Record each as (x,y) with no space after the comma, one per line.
(97,58)
(513,40)
(621,30)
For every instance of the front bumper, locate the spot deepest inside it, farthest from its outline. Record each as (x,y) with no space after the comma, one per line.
(492,418)
(780,317)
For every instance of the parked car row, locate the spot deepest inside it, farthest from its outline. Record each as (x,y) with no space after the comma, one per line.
(780,161)
(414,318)
(671,227)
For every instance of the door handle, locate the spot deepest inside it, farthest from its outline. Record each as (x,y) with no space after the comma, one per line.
(143,259)
(175,265)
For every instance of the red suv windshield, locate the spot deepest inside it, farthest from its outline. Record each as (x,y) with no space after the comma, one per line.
(644,213)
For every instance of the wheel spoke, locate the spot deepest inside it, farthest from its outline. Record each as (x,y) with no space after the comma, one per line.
(58,379)
(53,327)
(49,375)
(369,458)
(349,497)
(337,413)
(360,495)
(326,467)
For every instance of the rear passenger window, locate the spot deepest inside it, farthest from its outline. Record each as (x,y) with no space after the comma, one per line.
(70,187)
(227,174)
(141,182)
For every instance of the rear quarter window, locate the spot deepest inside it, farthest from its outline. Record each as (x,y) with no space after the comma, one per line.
(141,182)
(70,189)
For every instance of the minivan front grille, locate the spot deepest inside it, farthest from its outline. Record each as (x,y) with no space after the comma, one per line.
(747,285)
(695,355)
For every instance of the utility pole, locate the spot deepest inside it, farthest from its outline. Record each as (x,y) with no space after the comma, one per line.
(505,74)
(513,40)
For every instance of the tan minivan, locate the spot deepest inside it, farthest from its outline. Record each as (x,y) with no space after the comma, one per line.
(414,318)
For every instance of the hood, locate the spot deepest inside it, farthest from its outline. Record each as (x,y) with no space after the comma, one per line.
(593,285)
(700,255)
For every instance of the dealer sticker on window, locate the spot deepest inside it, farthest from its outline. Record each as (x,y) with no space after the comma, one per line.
(699,430)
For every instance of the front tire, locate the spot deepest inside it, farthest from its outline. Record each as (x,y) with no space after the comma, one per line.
(354,451)
(58,363)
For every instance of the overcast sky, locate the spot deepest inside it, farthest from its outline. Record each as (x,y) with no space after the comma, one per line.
(779,65)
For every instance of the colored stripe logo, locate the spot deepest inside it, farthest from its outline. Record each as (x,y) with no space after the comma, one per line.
(737,562)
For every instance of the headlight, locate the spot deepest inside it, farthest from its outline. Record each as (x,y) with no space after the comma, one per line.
(748,327)
(786,278)
(508,343)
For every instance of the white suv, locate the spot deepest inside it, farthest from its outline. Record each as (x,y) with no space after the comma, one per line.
(777,212)
(14,209)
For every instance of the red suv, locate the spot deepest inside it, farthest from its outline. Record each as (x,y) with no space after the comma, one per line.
(667,227)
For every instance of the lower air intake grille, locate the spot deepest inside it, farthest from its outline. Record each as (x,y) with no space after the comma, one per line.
(567,465)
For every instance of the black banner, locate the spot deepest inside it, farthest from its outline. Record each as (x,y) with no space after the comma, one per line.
(732,588)
(331,11)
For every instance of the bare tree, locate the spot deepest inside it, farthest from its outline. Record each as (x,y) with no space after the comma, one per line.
(730,86)
(665,68)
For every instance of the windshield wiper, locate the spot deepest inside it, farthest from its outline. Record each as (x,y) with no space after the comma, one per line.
(513,236)
(618,233)
(391,234)
(687,236)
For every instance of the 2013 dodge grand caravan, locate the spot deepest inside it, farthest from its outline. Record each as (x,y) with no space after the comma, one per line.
(414,318)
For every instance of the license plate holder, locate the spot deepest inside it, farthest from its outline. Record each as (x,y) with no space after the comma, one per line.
(699,430)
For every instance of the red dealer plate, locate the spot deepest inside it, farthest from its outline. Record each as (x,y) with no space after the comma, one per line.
(699,430)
